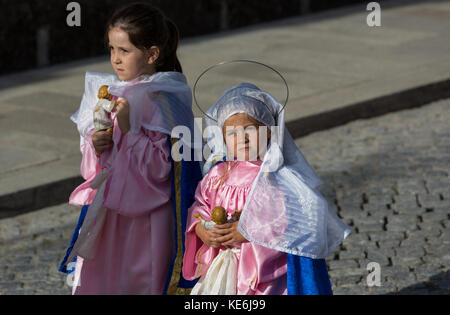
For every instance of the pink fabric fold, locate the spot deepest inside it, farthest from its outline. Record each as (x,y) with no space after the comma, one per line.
(260,270)
(90,167)
(139,166)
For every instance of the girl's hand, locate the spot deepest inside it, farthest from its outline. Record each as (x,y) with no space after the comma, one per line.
(102,141)
(229,233)
(123,115)
(207,236)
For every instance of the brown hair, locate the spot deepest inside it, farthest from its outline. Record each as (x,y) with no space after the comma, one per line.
(147,26)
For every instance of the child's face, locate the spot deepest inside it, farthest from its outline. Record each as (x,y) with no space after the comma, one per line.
(242,137)
(128,61)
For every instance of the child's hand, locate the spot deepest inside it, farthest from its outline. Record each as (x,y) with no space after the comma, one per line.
(102,141)
(207,236)
(229,233)
(123,115)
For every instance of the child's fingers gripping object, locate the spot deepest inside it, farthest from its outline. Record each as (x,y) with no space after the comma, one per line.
(122,108)
(123,115)
(102,141)
(207,225)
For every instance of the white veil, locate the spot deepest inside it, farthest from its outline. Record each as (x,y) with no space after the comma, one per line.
(158,102)
(285,210)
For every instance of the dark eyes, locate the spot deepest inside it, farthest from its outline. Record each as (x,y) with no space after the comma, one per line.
(121,49)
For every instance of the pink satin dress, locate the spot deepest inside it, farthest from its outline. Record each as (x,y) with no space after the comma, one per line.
(260,270)
(136,241)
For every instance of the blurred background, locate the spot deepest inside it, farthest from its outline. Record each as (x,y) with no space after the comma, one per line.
(368,107)
(31,25)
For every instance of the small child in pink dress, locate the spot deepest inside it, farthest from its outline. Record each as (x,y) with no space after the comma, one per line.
(286,228)
(126,242)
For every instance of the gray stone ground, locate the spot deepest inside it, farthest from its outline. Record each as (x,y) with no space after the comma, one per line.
(386,177)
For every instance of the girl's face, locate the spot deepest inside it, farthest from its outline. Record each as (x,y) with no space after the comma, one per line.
(242,136)
(128,61)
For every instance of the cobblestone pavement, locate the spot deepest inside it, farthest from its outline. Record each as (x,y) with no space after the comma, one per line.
(386,177)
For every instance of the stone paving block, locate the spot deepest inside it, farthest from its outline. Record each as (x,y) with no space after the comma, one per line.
(401,227)
(378,201)
(426,271)
(369,227)
(402,281)
(433,229)
(428,201)
(380,216)
(416,251)
(373,206)
(410,188)
(385,251)
(440,250)
(351,254)
(412,242)
(367,220)
(445,236)
(426,232)
(342,264)
(403,219)
(15,260)
(406,261)
(386,236)
(407,208)
(378,257)
(431,217)
(9,286)
(405,199)
(361,248)
(440,186)
(31,276)
(349,280)
(438,241)
(436,260)
(340,273)
(389,244)
(444,207)
(355,215)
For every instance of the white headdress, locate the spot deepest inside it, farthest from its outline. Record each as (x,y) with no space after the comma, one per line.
(158,102)
(285,210)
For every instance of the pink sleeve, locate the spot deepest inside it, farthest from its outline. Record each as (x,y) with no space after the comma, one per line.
(139,178)
(84,194)
(197,254)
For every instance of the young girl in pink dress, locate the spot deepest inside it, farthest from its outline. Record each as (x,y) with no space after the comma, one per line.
(126,239)
(286,229)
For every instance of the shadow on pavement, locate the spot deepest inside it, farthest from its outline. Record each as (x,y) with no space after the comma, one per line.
(439,284)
